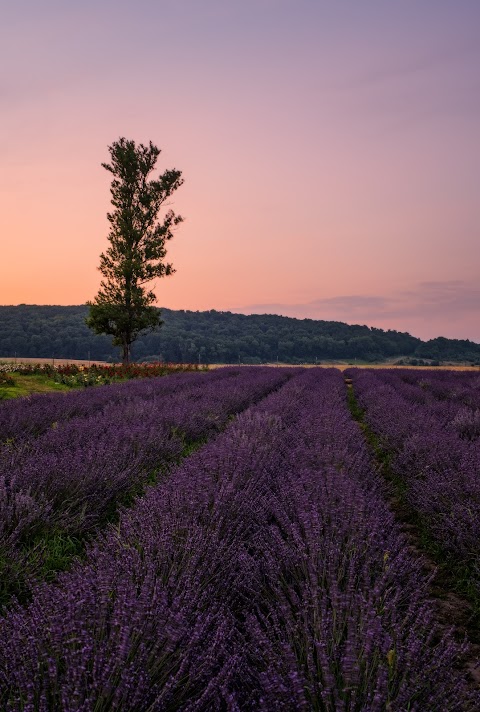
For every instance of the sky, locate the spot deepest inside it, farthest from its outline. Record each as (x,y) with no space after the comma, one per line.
(329,150)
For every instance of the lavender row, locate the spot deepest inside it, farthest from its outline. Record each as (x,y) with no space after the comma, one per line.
(362,594)
(453,397)
(24,418)
(68,480)
(438,464)
(267,574)
(462,387)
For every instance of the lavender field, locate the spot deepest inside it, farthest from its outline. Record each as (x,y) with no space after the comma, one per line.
(428,424)
(226,541)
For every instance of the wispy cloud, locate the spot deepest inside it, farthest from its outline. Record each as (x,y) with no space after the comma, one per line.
(397,90)
(433,308)
(439,299)
(407,66)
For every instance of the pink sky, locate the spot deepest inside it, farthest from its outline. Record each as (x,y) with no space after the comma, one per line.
(330,153)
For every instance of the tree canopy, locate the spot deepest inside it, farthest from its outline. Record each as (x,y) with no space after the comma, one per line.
(123,307)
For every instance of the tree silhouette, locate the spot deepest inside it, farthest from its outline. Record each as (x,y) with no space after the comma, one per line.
(123,306)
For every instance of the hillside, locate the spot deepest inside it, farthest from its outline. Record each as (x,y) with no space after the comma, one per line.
(217,337)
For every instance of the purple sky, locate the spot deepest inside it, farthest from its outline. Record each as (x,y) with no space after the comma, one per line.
(330,152)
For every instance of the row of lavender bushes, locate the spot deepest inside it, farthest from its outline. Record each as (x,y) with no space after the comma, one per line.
(24,418)
(434,450)
(461,387)
(453,397)
(459,394)
(266,574)
(99,448)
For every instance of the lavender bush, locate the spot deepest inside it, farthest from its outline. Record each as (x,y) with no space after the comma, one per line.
(436,456)
(68,480)
(24,418)
(267,573)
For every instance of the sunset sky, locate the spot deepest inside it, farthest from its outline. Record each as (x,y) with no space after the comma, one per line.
(330,151)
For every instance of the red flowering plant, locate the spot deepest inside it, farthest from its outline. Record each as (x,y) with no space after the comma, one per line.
(100,374)
(6,379)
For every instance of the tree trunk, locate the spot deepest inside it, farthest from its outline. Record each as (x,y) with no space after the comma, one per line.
(125,354)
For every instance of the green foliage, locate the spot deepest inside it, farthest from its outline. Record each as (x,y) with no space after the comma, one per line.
(96,375)
(123,306)
(448,350)
(26,384)
(6,380)
(44,377)
(81,379)
(213,337)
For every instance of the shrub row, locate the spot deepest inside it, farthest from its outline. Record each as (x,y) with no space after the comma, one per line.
(267,573)
(64,483)
(434,453)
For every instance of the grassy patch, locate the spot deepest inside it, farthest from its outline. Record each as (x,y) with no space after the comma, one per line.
(22,379)
(25,385)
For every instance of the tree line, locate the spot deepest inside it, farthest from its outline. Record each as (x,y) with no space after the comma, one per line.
(216,337)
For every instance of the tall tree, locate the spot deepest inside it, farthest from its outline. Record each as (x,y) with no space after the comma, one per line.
(123,306)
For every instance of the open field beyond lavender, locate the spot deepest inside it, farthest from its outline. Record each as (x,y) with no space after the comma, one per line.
(237,540)
(26,377)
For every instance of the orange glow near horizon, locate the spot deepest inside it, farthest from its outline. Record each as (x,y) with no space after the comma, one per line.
(327,175)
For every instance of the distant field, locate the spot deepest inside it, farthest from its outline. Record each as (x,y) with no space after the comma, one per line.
(342,366)
(57,361)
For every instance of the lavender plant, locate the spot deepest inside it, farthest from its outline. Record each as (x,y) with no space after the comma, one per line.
(266,573)
(436,458)
(66,482)
(24,418)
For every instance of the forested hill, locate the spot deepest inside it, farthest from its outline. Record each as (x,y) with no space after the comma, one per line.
(216,337)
